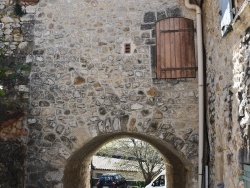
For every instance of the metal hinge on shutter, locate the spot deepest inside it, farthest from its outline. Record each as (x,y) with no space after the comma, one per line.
(226,13)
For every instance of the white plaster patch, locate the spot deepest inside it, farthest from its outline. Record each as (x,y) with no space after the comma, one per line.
(22,45)
(136,106)
(30,9)
(116,124)
(23,88)
(93,131)
(7,19)
(40,59)
(64,153)
(31,121)
(60,185)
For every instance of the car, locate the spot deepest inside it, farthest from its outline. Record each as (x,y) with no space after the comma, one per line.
(112,180)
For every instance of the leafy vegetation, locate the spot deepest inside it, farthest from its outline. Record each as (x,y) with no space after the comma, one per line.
(2,93)
(12,73)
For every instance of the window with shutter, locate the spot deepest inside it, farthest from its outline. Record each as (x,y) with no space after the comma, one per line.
(175,48)
(226,13)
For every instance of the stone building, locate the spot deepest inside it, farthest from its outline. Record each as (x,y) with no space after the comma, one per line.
(94,79)
(104,165)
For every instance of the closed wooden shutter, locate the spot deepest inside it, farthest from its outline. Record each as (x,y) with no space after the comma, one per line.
(175,48)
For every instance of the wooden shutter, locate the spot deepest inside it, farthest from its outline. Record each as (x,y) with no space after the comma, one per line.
(175,48)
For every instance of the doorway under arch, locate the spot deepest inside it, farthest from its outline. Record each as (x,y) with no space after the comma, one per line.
(76,173)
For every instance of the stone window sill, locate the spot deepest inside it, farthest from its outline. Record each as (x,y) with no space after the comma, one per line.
(241,20)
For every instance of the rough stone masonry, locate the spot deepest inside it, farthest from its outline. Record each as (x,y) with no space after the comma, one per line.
(16,43)
(227,71)
(85,91)
(83,85)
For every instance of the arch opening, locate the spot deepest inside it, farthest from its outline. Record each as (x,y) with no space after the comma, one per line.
(76,173)
(134,159)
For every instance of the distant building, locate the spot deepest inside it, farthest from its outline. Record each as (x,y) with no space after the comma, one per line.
(101,165)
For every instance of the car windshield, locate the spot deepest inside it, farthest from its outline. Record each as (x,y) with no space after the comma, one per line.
(107,178)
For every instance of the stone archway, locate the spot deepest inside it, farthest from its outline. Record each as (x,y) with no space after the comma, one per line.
(85,91)
(76,173)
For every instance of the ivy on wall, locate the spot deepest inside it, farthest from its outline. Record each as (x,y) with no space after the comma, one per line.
(13,69)
(12,74)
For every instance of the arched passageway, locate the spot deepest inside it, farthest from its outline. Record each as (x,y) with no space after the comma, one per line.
(76,174)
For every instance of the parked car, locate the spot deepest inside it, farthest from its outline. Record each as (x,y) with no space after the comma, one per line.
(159,181)
(112,180)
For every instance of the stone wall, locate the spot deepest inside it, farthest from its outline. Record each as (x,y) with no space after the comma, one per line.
(83,85)
(227,99)
(16,43)
(12,159)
